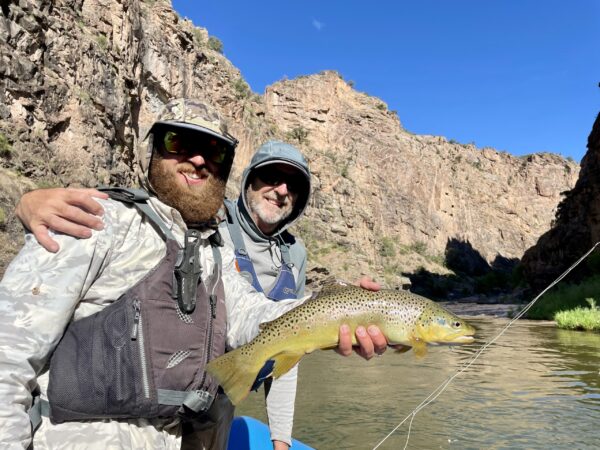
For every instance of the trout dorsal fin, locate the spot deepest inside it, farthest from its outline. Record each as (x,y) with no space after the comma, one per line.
(335,287)
(263,325)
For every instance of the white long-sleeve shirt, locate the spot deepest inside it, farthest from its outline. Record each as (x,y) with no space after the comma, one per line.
(42,292)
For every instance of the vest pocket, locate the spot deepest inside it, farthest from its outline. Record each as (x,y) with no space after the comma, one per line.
(119,368)
(95,370)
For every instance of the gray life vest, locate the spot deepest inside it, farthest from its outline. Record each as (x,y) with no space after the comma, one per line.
(284,286)
(144,356)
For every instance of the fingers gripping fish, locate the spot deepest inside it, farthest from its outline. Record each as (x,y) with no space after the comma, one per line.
(406,319)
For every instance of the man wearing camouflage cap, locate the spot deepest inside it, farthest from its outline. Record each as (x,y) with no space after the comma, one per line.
(93,288)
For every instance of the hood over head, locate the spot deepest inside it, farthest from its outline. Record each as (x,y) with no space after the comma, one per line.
(278,152)
(191,115)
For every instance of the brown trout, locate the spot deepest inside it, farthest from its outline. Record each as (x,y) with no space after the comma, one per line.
(406,319)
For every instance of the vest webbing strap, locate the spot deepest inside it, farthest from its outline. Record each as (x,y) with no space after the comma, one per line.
(195,401)
(217,256)
(285,253)
(139,198)
(145,209)
(39,409)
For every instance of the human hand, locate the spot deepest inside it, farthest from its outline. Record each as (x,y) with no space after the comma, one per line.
(70,211)
(367,283)
(371,341)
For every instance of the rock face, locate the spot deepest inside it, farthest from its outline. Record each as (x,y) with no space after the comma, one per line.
(576,228)
(81,81)
(385,197)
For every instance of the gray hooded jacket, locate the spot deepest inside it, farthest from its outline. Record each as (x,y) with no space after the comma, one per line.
(264,251)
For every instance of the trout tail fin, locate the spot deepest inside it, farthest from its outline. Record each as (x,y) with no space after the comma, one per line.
(235,371)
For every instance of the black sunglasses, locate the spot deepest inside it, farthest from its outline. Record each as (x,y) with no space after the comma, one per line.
(181,143)
(273,177)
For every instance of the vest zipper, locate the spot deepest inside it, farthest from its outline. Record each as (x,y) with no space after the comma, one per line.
(136,319)
(118,365)
(213,305)
(213,310)
(138,334)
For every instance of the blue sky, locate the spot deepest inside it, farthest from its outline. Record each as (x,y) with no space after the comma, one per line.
(517,75)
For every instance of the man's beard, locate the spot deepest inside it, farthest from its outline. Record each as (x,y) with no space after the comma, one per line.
(196,204)
(267,213)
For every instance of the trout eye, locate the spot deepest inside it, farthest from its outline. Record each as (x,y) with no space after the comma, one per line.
(456,324)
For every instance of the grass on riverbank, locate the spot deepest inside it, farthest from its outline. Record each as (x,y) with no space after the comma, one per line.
(569,297)
(587,319)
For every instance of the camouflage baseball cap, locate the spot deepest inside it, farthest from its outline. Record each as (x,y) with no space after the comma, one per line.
(193,115)
(189,114)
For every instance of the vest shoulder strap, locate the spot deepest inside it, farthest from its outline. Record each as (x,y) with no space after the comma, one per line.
(139,199)
(234,227)
(285,252)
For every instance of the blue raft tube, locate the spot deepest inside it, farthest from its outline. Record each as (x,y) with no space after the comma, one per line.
(248,433)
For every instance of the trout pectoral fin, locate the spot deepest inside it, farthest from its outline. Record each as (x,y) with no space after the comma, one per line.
(284,362)
(419,347)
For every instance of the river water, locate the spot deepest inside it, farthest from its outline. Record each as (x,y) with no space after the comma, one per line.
(537,387)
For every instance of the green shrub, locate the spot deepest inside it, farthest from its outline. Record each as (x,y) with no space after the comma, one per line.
(2,218)
(419,247)
(587,319)
(299,134)
(387,248)
(102,41)
(5,147)
(490,281)
(593,262)
(215,44)
(565,298)
(344,172)
(242,90)
(198,36)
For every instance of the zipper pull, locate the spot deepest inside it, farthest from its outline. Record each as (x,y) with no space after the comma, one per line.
(137,312)
(213,305)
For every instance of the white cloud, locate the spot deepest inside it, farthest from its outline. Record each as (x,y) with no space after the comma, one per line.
(318,25)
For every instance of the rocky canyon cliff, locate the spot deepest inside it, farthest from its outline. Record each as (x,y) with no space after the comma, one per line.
(576,228)
(81,80)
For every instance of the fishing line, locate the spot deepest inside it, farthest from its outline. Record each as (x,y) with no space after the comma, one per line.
(442,387)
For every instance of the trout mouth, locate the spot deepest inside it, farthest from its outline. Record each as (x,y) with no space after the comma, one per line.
(463,340)
(460,340)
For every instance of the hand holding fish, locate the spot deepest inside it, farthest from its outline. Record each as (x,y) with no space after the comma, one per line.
(370,341)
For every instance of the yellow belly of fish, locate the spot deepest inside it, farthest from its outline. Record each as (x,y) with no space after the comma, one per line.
(287,342)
